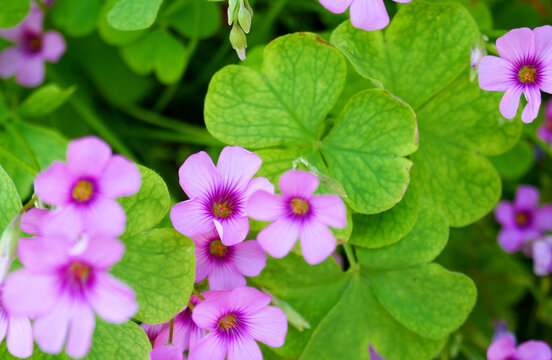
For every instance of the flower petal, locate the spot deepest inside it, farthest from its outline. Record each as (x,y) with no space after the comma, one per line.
(207,313)
(545,83)
(9,60)
(53,185)
(103,252)
(510,101)
(531,111)
(65,221)
(501,348)
(495,74)
(336,6)
(121,177)
(104,216)
(533,350)
(268,326)
(53,46)
(237,166)
(247,300)
(329,210)
(204,263)
(510,240)
(50,331)
(210,347)
(225,276)
(278,238)
(198,176)
(191,219)
(256,184)
(543,218)
(298,183)
(153,330)
(4,319)
(249,258)
(264,206)
(20,337)
(88,157)
(542,257)
(30,71)
(82,328)
(317,242)
(516,45)
(44,255)
(114,301)
(232,230)
(166,352)
(543,43)
(505,215)
(29,294)
(527,197)
(241,348)
(369,14)
(32,219)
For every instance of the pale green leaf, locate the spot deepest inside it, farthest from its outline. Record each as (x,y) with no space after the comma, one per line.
(128,15)
(44,100)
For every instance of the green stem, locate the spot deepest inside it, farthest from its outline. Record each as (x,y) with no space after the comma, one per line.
(350,255)
(538,141)
(198,294)
(16,160)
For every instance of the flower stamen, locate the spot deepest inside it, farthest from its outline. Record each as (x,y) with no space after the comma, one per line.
(527,74)
(79,273)
(299,206)
(218,249)
(82,192)
(222,209)
(227,322)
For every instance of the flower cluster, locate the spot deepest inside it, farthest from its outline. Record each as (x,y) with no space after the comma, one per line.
(32,47)
(229,318)
(525,226)
(64,280)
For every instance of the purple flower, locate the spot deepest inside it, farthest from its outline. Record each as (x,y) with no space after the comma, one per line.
(85,189)
(524,66)
(505,349)
(365,14)
(225,266)
(297,213)
(374,354)
(545,130)
(235,319)
(63,284)
(32,221)
(153,330)
(32,47)
(166,352)
(523,220)
(542,255)
(218,195)
(18,330)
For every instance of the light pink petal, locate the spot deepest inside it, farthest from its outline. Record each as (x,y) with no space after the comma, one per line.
(166,352)
(542,257)
(104,216)
(181,334)
(204,263)
(278,238)
(505,214)
(369,14)
(65,221)
(268,326)
(9,60)
(196,334)
(373,353)
(32,219)
(531,111)
(225,276)
(249,258)
(121,177)
(516,45)
(153,330)
(241,348)
(191,218)
(232,230)
(527,197)
(210,347)
(237,166)
(298,183)
(53,185)
(510,240)
(207,313)
(495,74)
(510,101)
(53,46)
(20,337)
(28,294)
(336,6)
(82,328)
(198,176)
(256,184)
(88,157)
(13,35)
(112,300)
(329,210)
(4,319)
(533,350)
(502,348)
(50,331)
(545,83)
(264,206)
(543,43)
(30,71)
(248,300)
(543,218)
(103,252)
(34,20)
(44,255)
(317,242)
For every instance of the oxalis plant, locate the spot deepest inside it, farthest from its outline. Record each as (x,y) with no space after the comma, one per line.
(342,179)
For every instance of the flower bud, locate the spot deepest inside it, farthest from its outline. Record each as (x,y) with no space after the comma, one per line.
(238,41)
(232,11)
(244,18)
(477,52)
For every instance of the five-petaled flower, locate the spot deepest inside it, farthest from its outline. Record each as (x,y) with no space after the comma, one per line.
(365,14)
(32,47)
(218,195)
(297,213)
(524,66)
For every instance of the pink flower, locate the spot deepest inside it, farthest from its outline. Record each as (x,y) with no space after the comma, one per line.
(18,330)
(32,47)
(235,319)
(545,130)
(541,251)
(522,220)
(218,195)
(85,189)
(63,284)
(225,266)
(365,14)
(504,348)
(166,352)
(524,66)
(297,213)
(374,354)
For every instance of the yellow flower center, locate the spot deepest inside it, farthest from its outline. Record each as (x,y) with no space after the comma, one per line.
(522,219)
(222,209)
(83,191)
(527,74)
(218,249)
(227,322)
(299,206)
(80,272)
